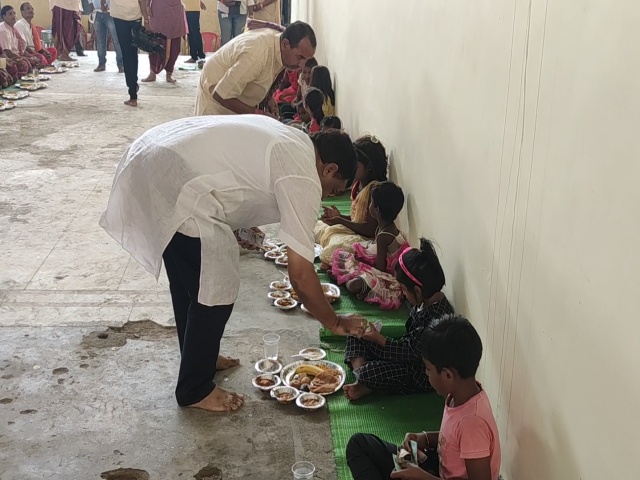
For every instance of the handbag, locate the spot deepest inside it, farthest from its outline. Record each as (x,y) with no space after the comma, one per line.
(147,41)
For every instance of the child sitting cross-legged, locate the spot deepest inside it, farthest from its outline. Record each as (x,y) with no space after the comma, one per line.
(467,447)
(395,365)
(368,272)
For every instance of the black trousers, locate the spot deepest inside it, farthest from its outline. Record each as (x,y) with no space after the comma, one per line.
(129,54)
(200,328)
(370,458)
(196,48)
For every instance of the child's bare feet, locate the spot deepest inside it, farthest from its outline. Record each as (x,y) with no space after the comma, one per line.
(224,363)
(220,400)
(355,391)
(150,78)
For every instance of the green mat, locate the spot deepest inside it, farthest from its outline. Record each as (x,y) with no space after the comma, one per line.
(342,203)
(389,417)
(393,322)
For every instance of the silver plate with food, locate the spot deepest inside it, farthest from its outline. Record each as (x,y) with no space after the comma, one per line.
(31,86)
(15,95)
(268,366)
(35,78)
(322,377)
(53,70)
(7,105)
(285,303)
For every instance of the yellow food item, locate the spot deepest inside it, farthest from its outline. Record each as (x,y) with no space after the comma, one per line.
(309,370)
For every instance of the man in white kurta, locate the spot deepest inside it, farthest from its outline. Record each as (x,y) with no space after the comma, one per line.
(180,192)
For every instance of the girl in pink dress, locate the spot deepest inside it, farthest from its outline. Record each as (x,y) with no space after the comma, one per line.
(369,271)
(169,18)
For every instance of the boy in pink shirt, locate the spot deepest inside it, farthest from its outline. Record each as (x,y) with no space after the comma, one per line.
(467,447)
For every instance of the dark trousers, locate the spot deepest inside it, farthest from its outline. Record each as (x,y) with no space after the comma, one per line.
(129,54)
(200,328)
(370,458)
(196,48)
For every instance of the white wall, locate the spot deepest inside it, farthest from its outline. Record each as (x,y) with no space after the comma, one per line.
(513,126)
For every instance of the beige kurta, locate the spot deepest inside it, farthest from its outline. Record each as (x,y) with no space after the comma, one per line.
(244,68)
(272,13)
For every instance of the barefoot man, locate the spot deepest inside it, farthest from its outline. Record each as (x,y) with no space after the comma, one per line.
(180,192)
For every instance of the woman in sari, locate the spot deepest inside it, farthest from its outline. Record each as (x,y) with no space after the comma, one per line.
(169,18)
(343,231)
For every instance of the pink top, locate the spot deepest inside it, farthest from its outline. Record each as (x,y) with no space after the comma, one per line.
(168,17)
(468,432)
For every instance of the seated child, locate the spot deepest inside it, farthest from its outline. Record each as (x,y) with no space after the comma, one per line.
(467,445)
(368,271)
(395,365)
(331,122)
(290,111)
(321,79)
(313,101)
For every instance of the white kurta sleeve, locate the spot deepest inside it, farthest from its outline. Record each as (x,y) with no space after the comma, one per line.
(298,193)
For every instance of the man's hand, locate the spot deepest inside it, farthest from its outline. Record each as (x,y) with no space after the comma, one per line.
(350,324)
(248,245)
(412,472)
(203,7)
(373,335)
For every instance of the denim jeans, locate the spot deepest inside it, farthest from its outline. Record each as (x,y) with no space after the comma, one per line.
(231,26)
(102,23)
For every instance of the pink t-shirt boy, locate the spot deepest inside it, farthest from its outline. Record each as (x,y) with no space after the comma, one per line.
(468,443)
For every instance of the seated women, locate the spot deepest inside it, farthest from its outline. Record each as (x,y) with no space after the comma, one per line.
(343,231)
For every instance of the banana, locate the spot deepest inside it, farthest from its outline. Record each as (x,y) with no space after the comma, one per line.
(309,370)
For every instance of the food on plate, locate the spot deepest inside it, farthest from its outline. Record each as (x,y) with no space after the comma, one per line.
(294,295)
(313,353)
(265,382)
(280,285)
(315,379)
(278,294)
(273,254)
(325,382)
(286,303)
(311,402)
(282,260)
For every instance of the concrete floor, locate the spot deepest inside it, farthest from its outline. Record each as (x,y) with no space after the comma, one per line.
(74,405)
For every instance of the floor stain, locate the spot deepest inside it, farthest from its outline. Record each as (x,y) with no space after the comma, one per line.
(125,474)
(5,401)
(60,371)
(118,336)
(29,411)
(209,473)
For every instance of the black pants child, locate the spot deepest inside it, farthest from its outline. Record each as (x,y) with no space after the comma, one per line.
(370,458)
(200,328)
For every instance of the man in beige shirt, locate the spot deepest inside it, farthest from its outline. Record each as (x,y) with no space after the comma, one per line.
(239,75)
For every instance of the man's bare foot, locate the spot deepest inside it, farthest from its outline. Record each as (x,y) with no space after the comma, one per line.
(170,78)
(224,363)
(191,60)
(131,103)
(66,58)
(355,391)
(150,78)
(99,68)
(220,400)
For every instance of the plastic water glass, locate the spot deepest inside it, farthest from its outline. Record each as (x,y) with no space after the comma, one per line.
(271,343)
(303,470)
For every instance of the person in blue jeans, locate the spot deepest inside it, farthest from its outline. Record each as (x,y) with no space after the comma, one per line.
(101,24)
(232,15)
